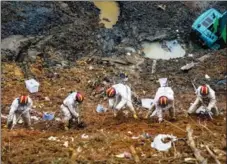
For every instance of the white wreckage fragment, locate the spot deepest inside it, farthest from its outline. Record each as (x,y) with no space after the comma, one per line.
(51,138)
(160,145)
(146,103)
(84,136)
(66,144)
(188,66)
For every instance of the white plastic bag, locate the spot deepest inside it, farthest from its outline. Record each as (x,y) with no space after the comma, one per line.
(159,145)
(163,82)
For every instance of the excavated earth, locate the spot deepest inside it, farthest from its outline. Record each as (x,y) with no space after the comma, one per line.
(102,136)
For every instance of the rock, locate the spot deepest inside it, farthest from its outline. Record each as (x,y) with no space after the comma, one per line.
(11,46)
(201,59)
(32,54)
(188,66)
(207,77)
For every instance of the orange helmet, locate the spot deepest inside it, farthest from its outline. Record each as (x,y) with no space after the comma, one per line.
(163,101)
(79,97)
(204,90)
(111,92)
(23,100)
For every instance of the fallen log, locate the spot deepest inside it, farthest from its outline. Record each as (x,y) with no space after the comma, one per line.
(191,144)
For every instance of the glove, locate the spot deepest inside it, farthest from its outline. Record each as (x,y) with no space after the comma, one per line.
(135,116)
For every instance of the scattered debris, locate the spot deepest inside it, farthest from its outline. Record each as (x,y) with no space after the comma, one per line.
(20,121)
(48,116)
(115,61)
(129,132)
(57,119)
(128,53)
(47,99)
(124,155)
(84,136)
(90,67)
(188,66)
(189,159)
(202,111)
(100,109)
(158,143)
(32,85)
(146,135)
(207,77)
(163,82)
(163,7)
(192,144)
(154,66)
(66,144)
(212,155)
(201,59)
(35,118)
(135,137)
(51,138)
(146,103)
(136,157)
(190,55)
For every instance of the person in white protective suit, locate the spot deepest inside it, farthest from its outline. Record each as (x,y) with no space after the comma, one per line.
(120,95)
(21,107)
(206,97)
(70,108)
(164,100)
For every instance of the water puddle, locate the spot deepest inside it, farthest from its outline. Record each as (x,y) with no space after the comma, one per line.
(109,12)
(163,50)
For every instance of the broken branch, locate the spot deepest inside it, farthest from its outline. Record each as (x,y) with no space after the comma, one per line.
(136,157)
(212,155)
(191,144)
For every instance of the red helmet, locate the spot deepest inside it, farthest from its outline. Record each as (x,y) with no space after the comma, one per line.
(163,101)
(204,90)
(79,97)
(110,92)
(23,100)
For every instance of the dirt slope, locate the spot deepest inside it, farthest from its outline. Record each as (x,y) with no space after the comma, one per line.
(108,136)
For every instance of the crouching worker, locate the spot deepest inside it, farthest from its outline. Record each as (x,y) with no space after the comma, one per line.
(164,100)
(70,108)
(20,108)
(206,97)
(120,95)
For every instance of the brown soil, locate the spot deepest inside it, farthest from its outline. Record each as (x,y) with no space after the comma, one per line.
(108,136)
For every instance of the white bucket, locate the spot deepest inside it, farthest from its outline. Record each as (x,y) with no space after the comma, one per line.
(32,85)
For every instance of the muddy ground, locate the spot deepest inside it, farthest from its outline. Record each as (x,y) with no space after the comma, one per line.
(109,136)
(68,58)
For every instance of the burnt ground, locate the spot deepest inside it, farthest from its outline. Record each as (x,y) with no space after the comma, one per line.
(109,136)
(71,41)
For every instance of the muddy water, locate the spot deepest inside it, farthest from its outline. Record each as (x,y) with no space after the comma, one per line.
(109,12)
(165,50)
